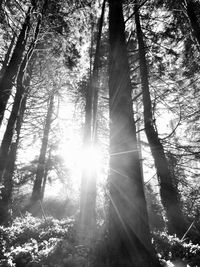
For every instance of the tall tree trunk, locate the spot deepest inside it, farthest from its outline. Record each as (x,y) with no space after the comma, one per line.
(7,56)
(8,135)
(190,9)
(88,185)
(168,192)
(6,194)
(47,165)
(37,187)
(22,83)
(130,241)
(87,218)
(95,74)
(85,197)
(8,78)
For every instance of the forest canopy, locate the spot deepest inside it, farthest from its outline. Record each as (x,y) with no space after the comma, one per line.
(99,132)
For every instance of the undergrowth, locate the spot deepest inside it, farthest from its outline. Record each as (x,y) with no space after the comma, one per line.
(171,250)
(49,242)
(31,241)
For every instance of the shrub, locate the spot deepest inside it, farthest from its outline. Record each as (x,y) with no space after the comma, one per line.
(50,242)
(171,248)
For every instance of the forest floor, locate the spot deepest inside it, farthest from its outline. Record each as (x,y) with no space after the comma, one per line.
(36,242)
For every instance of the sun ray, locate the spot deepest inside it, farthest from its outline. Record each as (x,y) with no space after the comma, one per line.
(123,152)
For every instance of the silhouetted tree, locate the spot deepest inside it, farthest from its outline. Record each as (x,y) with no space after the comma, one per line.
(130,242)
(7,190)
(10,72)
(87,219)
(37,187)
(169,194)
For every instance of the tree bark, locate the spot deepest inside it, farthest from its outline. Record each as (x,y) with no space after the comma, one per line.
(6,194)
(168,192)
(87,216)
(7,56)
(8,135)
(8,78)
(23,80)
(95,73)
(190,8)
(129,234)
(47,165)
(37,187)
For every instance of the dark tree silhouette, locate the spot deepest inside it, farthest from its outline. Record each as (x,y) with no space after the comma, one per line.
(130,242)
(10,73)
(37,187)
(23,80)
(169,194)
(88,185)
(6,192)
(7,55)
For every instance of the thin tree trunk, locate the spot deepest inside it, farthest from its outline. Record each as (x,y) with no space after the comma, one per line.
(7,56)
(47,165)
(6,197)
(87,221)
(169,194)
(8,135)
(8,78)
(95,73)
(6,192)
(22,83)
(87,216)
(130,241)
(37,187)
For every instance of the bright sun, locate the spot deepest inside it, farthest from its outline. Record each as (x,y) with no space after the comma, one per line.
(89,159)
(78,159)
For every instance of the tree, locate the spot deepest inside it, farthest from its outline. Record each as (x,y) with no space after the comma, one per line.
(9,75)
(37,187)
(190,13)
(10,72)
(130,242)
(7,56)
(168,192)
(7,190)
(23,81)
(87,219)
(191,6)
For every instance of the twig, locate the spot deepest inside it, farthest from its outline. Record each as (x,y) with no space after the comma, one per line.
(187,230)
(135,11)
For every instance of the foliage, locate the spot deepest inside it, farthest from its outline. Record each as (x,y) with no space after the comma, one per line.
(52,243)
(49,242)
(172,249)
